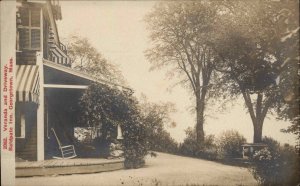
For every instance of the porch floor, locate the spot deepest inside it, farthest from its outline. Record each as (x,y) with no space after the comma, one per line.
(67,166)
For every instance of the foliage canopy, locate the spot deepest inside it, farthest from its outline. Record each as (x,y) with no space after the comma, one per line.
(106,107)
(240,48)
(85,57)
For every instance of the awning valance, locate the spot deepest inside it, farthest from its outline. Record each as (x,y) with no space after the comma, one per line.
(27,89)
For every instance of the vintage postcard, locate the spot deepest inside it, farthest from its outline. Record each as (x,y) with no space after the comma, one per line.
(149,92)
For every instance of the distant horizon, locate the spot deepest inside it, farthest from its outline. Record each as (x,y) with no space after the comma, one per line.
(117,30)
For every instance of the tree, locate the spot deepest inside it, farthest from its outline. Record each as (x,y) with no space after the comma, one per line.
(289,25)
(180,33)
(156,117)
(86,58)
(255,56)
(252,46)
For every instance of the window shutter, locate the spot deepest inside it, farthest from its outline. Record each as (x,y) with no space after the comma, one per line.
(24,14)
(35,38)
(24,38)
(35,18)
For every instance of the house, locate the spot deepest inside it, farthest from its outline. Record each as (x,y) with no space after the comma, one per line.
(47,88)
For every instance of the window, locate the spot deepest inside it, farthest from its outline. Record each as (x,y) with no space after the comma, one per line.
(29,30)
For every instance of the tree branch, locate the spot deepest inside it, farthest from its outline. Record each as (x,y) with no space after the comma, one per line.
(249,105)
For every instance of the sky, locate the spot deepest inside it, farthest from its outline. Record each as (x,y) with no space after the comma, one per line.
(117,30)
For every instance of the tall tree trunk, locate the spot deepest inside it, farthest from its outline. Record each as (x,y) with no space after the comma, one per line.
(258,123)
(257,126)
(200,103)
(200,120)
(200,107)
(257,114)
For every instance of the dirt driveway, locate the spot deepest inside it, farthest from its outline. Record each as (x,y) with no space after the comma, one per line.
(165,169)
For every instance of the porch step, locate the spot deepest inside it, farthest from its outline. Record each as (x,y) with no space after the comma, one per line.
(67,166)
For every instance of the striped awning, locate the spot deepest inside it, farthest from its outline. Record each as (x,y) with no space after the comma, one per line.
(27,89)
(58,53)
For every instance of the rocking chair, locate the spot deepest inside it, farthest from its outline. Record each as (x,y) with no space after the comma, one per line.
(67,152)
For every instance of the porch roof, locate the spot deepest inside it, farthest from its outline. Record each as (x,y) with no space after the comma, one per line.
(79,74)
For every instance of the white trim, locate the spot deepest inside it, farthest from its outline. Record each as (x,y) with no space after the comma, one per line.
(47,118)
(65,86)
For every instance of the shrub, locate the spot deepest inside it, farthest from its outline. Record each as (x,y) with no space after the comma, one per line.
(190,146)
(208,150)
(230,144)
(276,166)
(135,146)
(155,117)
(273,145)
(162,142)
(107,107)
(210,153)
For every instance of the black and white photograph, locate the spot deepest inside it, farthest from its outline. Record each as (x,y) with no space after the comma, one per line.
(142,93)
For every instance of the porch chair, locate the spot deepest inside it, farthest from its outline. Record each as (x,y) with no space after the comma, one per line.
(67,152)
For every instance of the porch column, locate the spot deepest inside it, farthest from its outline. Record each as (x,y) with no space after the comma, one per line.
(40,110)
